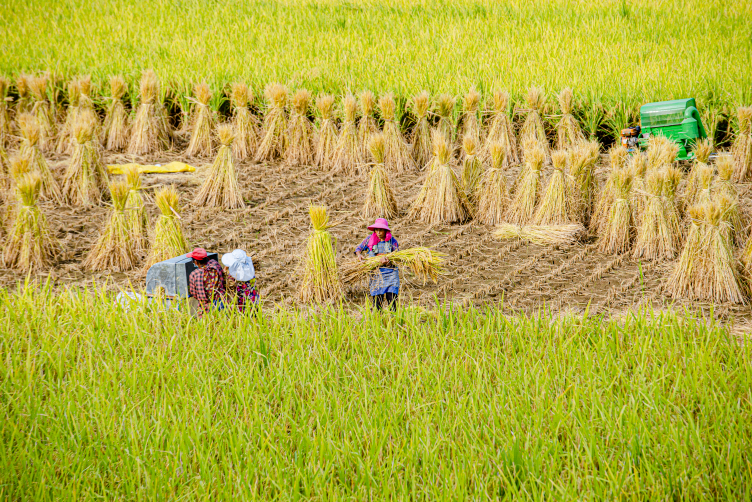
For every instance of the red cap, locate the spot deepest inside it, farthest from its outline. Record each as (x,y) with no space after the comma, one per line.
(197,254)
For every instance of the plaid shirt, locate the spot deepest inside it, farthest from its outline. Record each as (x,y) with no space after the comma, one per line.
(207,285)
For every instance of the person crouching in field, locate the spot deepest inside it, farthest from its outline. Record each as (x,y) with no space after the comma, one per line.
(385,284)
(241,280)
(207,283)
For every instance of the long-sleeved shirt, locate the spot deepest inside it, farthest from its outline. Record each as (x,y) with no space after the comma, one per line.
(207,285)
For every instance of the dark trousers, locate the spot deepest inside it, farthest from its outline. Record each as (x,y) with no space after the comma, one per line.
(387,300)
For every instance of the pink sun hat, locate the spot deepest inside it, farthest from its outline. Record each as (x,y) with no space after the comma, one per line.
(380,223)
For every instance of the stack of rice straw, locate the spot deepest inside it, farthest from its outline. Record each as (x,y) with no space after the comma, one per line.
(421,262)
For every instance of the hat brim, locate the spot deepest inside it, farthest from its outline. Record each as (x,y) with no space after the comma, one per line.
(379,227)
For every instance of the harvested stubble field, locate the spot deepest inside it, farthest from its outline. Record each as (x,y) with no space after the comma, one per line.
(273,228)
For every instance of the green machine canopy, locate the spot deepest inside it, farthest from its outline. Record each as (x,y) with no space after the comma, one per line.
(677,120)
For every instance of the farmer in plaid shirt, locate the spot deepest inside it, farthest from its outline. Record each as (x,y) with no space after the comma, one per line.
(207,283)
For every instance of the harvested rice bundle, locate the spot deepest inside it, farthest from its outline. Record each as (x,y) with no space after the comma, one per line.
(555,207)
(568,132)
(274,140)
(23,105)
(4,115)
(704,183)
(43,112)
(321,282)
(167,240)
(326,137)
(618,157)
(528,188)
(617,230)
(638,166)
(725,188)
(29,245)
(445,111)
(492,193)
(533,128)
(220,188)
(501,130)
(706,269)
(582,160)
(138,220)
(396,151)
(151,131)
(348,156)
(31,133)
(117,122)
(661,151)
(300,149)
(658,237)
(742,147)
(441,199)
(114,249)
(470,123)
(65,137)
(367,125)
(422,262)
(422,131)
(541,234)
(85,177)
(472,170)
(202,139)
(674,177)
(380,201)
(244,123)
(702,151)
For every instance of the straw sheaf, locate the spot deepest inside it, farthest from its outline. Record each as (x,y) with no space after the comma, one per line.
(565,100)
(276,95)
(300,149)
(115,250)
(275,138)
(348,155)
(616,232)
(742,147)
(541,234)
(421,103)
(527,189)
(326,143)
(220,189)
(167,240)
(367,124)
(501,129)
(492,193)
(202,141)
(320,282)
(472,169)
(150,132)
(117,122)
(555,207)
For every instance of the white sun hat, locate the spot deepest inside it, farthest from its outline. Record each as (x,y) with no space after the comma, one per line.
(240,265)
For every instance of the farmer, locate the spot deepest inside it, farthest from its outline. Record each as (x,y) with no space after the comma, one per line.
(207,283)
(241,283)
(385,283)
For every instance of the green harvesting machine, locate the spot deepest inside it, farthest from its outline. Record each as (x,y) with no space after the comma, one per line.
(677,120)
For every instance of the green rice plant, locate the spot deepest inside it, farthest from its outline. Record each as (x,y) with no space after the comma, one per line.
(300,149)
(472,168)
(29,245)
(114,249)
(397,158)
(274,138)
(592,116)
(616,233)
(136,211)
(245,124)
(501,130)
(423,263)
(367,123)
(493,196)
(568,132)
(85,177)
(620,116)
(532,129)
(116,127)
(556,204)
(31,153)
(348,155)
(43,111)
(326,135)
(742,147)
(380,201)
(421,140)
(542,235)
(527,190)
(320,282)
(150,132)
(220,188)
(167,240)
(203,120)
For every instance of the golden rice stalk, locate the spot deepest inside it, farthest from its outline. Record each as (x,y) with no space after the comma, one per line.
(202,140)
(704,184)
(492,192)
(501,130)
(568,131)
(114,249)
(533,128)
(702,151)
(470,122)
(618,156)
(220,188)
(43,112)
(30,152)
(151,131)
(527,189)
(638,166)
(742,147)
(380,201)
(65,136)
(348,156)
(117,122)
(5,129)
(422,132)
(581,181)
(29,245)
(421,262)
(23,104)
(671,202)
(245,125)
(541,234)
(472,169)
(616,233)
(320,278)
(706,270)
(274,139)
(724,188)
(135,210)
(4,169)
(441,199)
(661,151)
(167,241)
(85,178)
(445,111)
(555,207)
(656,237)
(397,157)
(300,148)
(367,125)
(326,136)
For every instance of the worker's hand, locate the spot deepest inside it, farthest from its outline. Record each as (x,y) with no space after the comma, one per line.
(384,260)
(360,257)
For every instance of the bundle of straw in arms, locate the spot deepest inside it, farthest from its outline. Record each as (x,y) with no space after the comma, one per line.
(421,262)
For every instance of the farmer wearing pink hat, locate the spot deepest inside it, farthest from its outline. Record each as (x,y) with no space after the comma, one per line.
(385,284)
